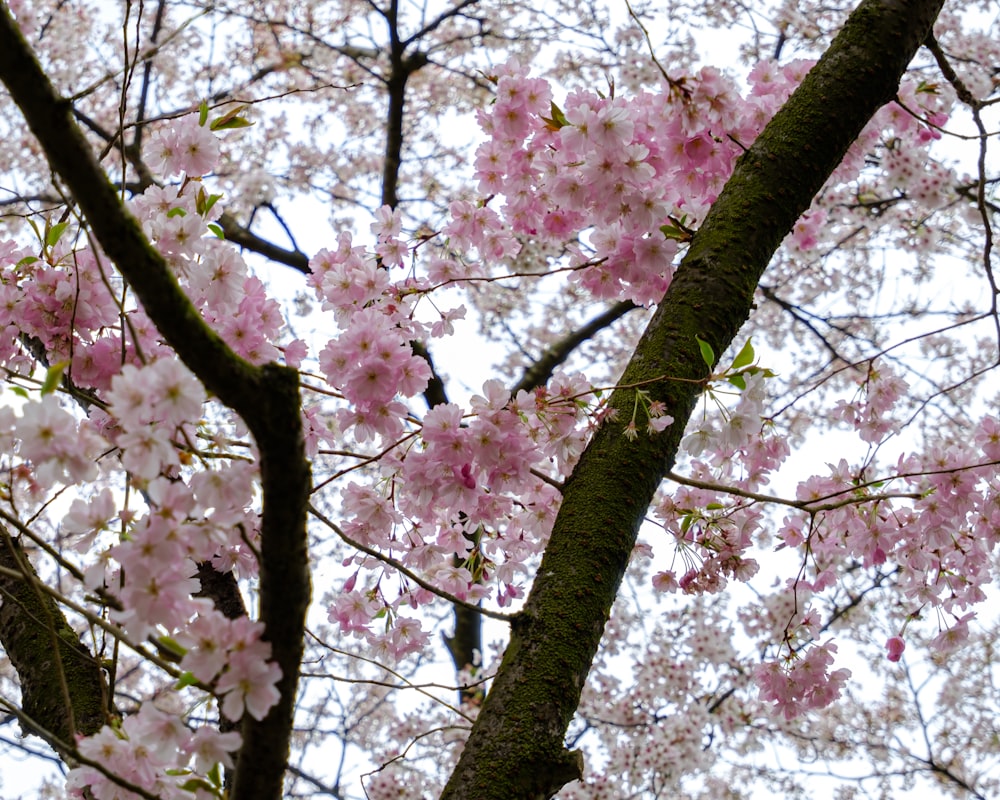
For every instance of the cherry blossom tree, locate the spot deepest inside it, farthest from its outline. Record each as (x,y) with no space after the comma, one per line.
(740,452)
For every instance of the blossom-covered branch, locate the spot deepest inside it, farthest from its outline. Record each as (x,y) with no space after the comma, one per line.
(519,732)
(267,398)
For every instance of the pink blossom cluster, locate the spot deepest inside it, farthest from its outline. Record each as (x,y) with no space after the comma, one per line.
(871,416)
(150,404)
(710,534)
(625,181)
(186,526)
(371,361)
(153,750)
(60,300)
(213,273)
(804,682)
(464,490)
(182,146)
(59,446)
(622,168)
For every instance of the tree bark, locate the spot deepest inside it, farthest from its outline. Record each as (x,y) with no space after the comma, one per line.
(63,690)
(516,749)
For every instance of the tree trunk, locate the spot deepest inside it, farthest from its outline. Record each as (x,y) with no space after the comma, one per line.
(516,750)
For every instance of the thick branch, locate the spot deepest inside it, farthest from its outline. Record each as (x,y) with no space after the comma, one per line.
(62,686)
(538,373)
(246,238)
(515,750)
(267,398)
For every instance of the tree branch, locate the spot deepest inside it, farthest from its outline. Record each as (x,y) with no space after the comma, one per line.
(267,398)
(62,686)
(516,746)
(541,370)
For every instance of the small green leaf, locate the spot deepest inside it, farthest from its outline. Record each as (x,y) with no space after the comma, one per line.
(737,380)
(176,212)
(216,229)
(20,391)
(52,377)
(186,679)
(202,113)
(707,353)
(767,373)
(744,357)
(558,119)
(678,229)
(231,124)
(198,783)
(231,119)
(205,201)
(25,261)
(714,507)
(172,646)
(55,233)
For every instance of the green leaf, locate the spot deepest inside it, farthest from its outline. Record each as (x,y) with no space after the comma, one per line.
(199,783)
(737,380)
(186,679)
(205,201)
(202,113)
(216,229)
(52,377)
(231,119)
(25,261)
(231,124)
(678,229)
(744,357)
(714,507)
(767,373)
(55,233)
(20,391)
(176,212)
(172,646)
(707,353)
(558,119)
